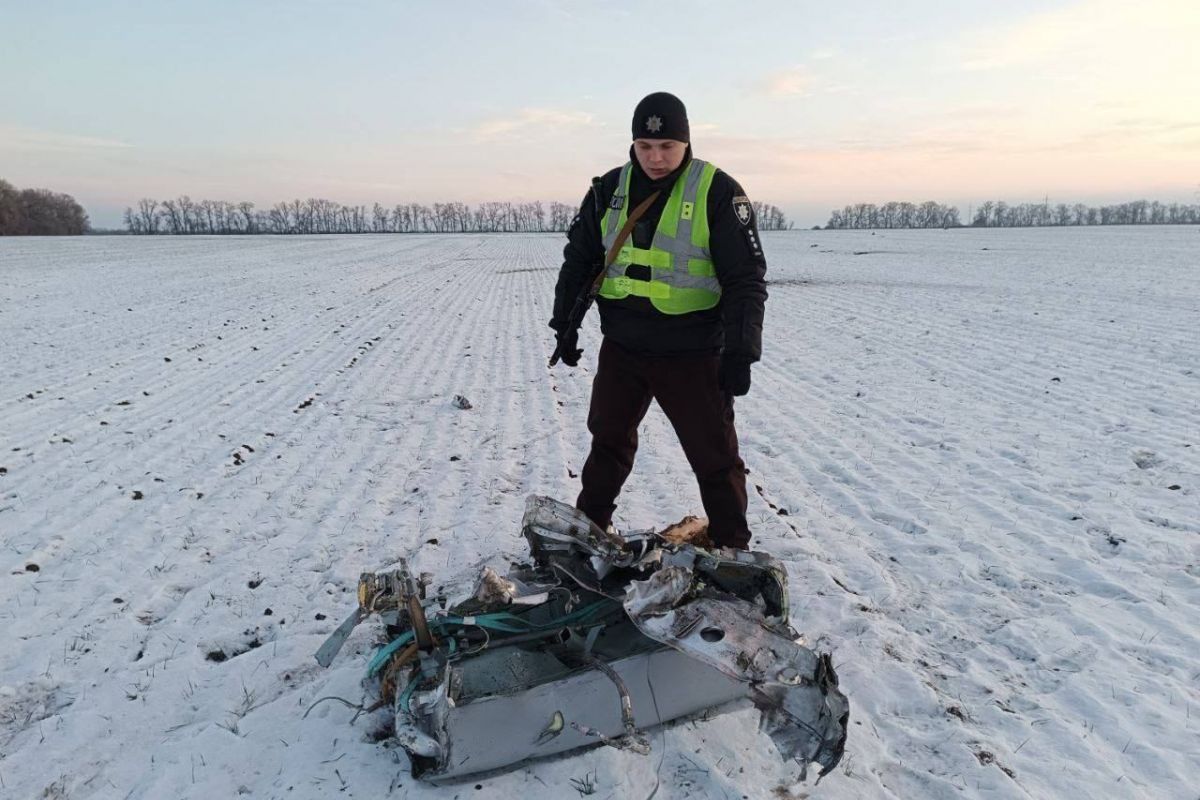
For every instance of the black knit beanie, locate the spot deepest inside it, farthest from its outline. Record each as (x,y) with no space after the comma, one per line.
(661,116)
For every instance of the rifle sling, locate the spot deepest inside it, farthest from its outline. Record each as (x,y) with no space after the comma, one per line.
(622,235)
(583,301)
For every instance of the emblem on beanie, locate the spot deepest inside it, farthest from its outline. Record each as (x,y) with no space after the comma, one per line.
(654,123)
(743,209)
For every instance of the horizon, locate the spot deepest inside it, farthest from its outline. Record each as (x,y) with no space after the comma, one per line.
(1080,102)
(965,220)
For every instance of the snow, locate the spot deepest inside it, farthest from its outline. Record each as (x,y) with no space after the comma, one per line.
(978,453)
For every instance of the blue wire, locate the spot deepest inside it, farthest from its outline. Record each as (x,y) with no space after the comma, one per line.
(407,693)
(387,651)
(491,621)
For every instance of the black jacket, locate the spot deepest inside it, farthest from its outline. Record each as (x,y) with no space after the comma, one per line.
(733,326)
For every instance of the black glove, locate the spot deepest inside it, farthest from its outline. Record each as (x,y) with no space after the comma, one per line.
(733,375)
(570,352)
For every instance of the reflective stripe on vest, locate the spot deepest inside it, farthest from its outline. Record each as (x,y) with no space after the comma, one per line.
(682,275)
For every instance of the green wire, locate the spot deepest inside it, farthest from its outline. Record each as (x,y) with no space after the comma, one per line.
(496,621)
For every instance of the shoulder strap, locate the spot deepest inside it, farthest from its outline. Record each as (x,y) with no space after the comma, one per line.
(627,228)
(622,235)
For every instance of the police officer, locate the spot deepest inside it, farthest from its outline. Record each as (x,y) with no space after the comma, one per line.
(681,312)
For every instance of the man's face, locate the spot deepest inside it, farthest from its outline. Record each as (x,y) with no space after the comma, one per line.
(659,157)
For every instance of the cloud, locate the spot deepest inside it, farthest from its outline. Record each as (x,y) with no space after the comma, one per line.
(949,164)
(20,139)
(984,142)
(1104,35)
(794,82)
(533,121)
(1142,135)
(1075,77)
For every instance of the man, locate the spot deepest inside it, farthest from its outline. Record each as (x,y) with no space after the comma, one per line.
(681,311)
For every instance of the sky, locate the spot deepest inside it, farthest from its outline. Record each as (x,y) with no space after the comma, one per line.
(810,106)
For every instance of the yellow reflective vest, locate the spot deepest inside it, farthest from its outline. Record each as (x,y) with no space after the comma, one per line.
(682,275)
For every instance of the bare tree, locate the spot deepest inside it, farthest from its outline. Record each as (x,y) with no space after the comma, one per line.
(148,216)
(379,219)
(40,212)
(10,209)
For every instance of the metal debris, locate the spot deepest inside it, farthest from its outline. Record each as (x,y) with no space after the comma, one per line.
(600,638)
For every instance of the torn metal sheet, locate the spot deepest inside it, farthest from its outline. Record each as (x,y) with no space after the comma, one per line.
(795,688)
(600,638)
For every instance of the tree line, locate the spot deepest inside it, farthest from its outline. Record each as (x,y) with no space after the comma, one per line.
(894,215)
(998,214)
(315,216)
(770,218)
(39,212)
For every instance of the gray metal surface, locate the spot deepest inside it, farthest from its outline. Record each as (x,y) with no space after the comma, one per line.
(501,730)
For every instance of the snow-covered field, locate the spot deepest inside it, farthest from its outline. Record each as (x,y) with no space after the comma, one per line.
(978,453)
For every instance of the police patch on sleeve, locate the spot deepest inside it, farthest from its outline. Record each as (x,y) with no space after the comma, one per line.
(742,209)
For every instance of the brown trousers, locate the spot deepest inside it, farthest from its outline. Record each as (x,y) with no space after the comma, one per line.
(688,393)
